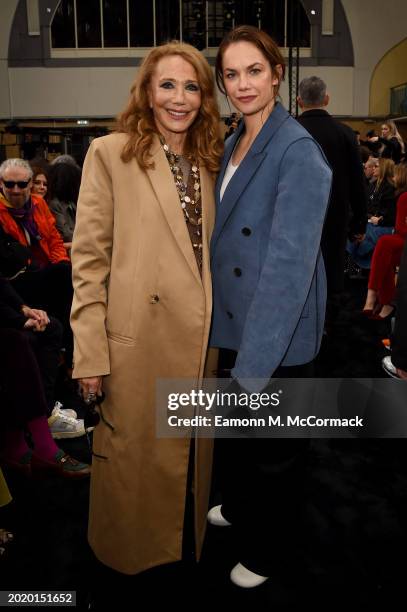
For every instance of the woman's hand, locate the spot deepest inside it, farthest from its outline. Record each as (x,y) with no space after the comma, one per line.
(90,387)
(375,220)
(37,319)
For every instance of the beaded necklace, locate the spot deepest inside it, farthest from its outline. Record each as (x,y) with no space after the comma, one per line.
(190,199)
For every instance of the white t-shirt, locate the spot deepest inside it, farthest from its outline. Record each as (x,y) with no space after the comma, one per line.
(229,172)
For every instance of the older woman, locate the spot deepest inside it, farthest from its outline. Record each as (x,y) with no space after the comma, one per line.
(269,286)
(142,305)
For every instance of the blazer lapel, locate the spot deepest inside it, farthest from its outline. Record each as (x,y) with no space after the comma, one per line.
(164,187)
(247,167)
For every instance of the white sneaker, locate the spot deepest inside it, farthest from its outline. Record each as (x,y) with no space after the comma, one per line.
(243,577)
(63,426)
(58,407)
(215,517)
(389,368)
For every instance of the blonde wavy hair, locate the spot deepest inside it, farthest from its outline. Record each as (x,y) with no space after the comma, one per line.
(386,172)
(394,133)
(203,143)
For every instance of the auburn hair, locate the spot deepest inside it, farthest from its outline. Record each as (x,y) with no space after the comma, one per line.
(264,43)
(203,143)
(386,172)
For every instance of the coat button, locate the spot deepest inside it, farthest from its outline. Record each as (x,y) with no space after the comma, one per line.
(246,231)
(154,299)
(229,314)
(237,272)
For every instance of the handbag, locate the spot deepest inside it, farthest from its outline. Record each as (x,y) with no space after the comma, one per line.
(14,256)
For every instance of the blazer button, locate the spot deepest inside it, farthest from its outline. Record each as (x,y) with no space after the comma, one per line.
(229,314)
(246,231)
(237,272)
(154,299)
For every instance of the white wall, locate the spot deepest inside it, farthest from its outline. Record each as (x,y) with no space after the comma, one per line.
(376,26)
(103,92)
(69,92)
(7,10)
(340,86)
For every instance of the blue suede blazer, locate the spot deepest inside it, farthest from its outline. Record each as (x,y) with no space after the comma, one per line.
(269,285)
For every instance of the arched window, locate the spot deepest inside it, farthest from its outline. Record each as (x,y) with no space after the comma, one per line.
(120,24)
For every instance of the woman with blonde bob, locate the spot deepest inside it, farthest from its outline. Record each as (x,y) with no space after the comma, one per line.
(142,305)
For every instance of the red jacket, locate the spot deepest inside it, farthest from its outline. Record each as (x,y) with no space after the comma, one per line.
(51,241)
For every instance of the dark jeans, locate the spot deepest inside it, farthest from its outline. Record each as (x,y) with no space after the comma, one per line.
(262,488)
(28,371)
(50,289)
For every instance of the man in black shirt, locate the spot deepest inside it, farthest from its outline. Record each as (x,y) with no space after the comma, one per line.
(348,193)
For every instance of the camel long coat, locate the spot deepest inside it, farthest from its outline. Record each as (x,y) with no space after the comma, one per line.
(140,312)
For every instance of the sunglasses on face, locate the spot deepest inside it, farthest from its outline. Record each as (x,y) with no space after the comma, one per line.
(12,184)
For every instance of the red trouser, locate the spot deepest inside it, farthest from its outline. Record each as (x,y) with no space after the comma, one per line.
(386,257)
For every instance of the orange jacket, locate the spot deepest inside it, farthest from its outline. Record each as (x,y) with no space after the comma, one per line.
(51,241)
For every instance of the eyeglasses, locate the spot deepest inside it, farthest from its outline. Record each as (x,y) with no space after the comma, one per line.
(12,184)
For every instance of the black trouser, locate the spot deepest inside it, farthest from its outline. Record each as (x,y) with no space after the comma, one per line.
(50,288)
(261,483)
(28,371)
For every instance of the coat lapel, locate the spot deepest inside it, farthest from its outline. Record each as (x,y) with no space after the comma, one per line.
(164,187)
(208,221)
(247,167)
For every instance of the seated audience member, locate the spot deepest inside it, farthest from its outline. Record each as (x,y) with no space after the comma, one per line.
(45,350)
(365,153)
(369,168)
(392,144)
(23,395)
(39,182)
(381,213)
(387,255)
(47,283)
(64,159)
(64,184)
